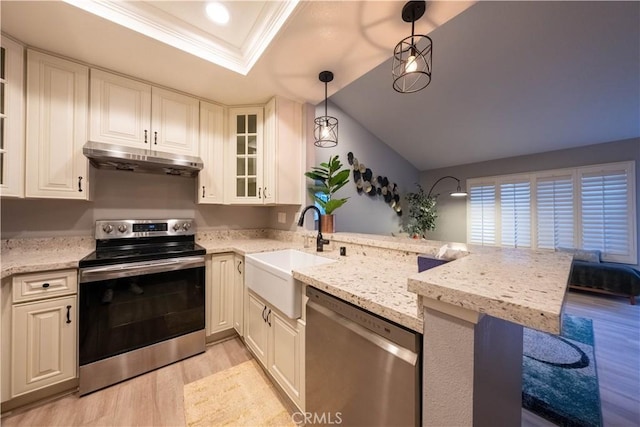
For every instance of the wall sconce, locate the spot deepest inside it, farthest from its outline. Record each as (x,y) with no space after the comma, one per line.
(457,193)
(325,131)
(412,56)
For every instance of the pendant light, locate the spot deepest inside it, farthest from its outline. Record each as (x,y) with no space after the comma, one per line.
(412,56)
(325,131)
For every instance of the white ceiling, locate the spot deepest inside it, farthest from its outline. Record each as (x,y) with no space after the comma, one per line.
(509,78)
(346,37)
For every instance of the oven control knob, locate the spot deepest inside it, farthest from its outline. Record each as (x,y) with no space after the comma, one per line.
(176,227)
(107,228)
(186,226)
(122,228)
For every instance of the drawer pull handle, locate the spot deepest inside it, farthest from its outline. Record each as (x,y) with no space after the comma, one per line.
(203,191)
(263,316)
(145,136)
(155,138)
(269,317)
(239,264)
(45,285)
(80,184)
(68,314)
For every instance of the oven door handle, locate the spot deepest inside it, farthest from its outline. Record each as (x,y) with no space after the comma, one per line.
(95,274)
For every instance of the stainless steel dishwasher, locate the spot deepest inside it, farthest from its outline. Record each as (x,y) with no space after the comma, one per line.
(361,370)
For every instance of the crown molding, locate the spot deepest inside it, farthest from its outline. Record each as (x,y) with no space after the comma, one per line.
(161,26)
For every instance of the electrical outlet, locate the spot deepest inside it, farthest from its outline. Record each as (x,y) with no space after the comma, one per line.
(282,217)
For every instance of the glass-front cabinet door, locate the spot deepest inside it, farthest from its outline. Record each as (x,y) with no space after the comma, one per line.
(247,149)
(12,116)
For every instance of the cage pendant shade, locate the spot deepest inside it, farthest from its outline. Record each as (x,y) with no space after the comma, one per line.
(412,55)
(325,131)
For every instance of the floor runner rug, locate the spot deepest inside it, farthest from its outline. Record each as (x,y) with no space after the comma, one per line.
(238,396)
(559,377)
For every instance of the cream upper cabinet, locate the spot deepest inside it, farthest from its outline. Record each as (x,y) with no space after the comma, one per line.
(57,105)
(128,112)
(174,119)
(283,152)
(12,118)
(267,154)
(211,178)
(245,155)
(120,110)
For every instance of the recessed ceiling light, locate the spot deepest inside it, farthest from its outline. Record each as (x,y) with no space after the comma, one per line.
(218,13)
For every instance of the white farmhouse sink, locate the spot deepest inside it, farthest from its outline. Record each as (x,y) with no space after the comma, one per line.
(268,274)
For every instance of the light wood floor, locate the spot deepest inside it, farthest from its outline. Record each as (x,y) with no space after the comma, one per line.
(155,399)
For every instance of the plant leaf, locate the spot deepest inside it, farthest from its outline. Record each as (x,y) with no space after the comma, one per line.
(334,204)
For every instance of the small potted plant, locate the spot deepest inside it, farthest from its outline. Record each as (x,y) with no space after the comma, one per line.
(328,178)
(422,213)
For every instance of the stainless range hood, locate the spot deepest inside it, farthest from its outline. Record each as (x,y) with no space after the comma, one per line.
(116,157)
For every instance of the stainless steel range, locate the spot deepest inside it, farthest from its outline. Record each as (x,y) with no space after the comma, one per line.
(142,300)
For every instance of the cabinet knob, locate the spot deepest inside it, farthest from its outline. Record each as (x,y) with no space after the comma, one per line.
(45,285)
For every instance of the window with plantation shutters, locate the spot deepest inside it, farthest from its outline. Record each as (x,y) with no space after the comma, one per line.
(482,205)
(555,212)
(591,207)
(605,213)
(515,214)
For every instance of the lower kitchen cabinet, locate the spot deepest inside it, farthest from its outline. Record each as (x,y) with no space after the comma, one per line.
(39,333)
(44,344)
(238,294)
(278,344)
(219,293)
(256,327)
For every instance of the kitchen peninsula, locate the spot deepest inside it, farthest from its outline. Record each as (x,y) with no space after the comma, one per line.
(456,305)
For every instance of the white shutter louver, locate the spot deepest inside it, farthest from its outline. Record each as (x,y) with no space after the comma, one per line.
(605,213)
(482,200)
(515,214)
(554,198)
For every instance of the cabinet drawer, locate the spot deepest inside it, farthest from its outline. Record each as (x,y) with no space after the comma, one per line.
(30,287)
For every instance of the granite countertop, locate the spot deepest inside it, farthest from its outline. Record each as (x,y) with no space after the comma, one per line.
(522,286)
(377,285)
(247,246)
(32,255)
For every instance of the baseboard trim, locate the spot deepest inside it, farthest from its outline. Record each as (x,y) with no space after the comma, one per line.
(38,397)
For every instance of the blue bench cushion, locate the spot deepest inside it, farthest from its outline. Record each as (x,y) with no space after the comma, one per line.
(608,276)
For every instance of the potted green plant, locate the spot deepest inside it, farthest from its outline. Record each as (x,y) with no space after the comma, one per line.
(327,179)
(422,213)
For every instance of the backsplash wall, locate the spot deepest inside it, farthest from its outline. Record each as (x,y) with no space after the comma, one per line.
(117,195)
